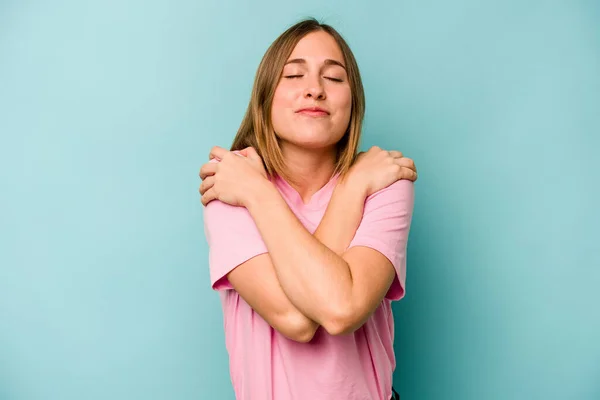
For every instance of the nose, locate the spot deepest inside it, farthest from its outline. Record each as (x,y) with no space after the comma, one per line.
(314,89)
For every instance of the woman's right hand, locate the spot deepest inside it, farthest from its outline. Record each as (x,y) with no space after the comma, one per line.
(378,169)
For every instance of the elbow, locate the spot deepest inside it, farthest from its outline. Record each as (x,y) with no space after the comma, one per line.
(299,328)
(306,333)
(338,328)
(342,322)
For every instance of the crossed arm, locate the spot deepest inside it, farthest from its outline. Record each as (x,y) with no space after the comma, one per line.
(309,280)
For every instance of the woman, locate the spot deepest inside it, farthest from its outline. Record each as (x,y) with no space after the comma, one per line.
(307,240)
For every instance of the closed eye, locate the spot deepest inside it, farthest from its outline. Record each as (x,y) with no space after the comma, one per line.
(326,77)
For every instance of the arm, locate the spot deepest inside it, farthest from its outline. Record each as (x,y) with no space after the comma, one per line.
(338,292)
(335,231)
(254,278)
(374,170)
(342,217)
(256,282)
(238,259)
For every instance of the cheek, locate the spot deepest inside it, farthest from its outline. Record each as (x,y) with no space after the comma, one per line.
(343,102)
(277,100)
(283,97)
(346,97)
(281,103)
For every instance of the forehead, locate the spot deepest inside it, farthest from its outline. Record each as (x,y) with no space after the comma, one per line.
(317,45)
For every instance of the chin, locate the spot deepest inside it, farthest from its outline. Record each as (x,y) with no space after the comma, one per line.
(314,146)
(312,143)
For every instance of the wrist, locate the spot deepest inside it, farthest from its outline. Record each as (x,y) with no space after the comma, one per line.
(354,185)
(262,193)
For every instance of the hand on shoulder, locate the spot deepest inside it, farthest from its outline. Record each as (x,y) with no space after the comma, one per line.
(231,176)
(378,169)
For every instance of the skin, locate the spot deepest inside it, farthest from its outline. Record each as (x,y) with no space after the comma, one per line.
(308,280)
(309,79)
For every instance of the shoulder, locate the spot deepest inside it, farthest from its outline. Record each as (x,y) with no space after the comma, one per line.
(224,222)
(223,212)
(399,190)
(229,228)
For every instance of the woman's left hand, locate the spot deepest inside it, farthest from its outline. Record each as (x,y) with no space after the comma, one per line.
(231,177)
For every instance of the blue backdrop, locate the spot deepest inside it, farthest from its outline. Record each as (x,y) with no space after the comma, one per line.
(108,109)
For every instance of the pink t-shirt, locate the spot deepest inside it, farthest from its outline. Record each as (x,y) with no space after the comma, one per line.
(266,365)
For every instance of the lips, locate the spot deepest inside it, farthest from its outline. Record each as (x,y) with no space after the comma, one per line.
(313,112)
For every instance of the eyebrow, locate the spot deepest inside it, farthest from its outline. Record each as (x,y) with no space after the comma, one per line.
(328,61)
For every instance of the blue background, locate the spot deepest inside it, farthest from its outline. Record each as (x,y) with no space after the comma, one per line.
(108,109)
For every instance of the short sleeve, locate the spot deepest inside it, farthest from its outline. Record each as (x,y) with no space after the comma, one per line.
(232,237)
(384,227)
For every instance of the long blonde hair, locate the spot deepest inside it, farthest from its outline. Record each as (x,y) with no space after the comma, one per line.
(256,129)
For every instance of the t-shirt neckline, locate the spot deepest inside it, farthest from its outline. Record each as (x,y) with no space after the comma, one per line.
(318,200)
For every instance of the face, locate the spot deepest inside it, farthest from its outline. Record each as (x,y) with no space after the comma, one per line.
(312,102)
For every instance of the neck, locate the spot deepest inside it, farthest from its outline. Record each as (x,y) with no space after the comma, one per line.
(310,169)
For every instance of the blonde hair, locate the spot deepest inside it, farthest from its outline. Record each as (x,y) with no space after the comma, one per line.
(256,129)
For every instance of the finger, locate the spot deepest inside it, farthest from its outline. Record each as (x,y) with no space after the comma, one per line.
(211,156)
(209,196)
(406,162)
(206,184)
(395,154)
(247,152)
(208,169)
(252,153)
(244,152)
(217,152)
(408,174)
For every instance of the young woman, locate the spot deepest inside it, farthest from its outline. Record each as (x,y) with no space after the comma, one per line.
(308,240)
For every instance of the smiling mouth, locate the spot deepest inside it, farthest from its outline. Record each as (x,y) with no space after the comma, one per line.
(313,113)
